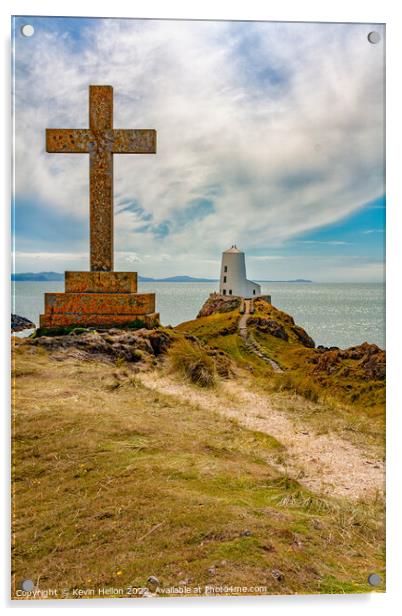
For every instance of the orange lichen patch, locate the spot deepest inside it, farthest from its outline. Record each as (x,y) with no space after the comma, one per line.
(101,282)
(100,303)
(134,141)
(93,308)
(100,107)
(52,319)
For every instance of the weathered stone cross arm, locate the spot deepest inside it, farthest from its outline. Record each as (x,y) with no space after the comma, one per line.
(101,141)
(86,141)
(101,135)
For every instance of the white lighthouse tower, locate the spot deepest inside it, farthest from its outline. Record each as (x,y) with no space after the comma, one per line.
(233,275)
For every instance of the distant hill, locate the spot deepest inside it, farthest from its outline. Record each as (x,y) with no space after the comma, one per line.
(296,280)
(177,279)
(55,276)
(37,276)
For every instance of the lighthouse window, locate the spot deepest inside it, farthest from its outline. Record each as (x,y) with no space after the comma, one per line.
(230,291)
(226,268)
(224,279)
(224,291)
(253,291)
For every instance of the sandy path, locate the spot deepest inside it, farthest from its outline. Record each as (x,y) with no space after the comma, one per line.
(323,463)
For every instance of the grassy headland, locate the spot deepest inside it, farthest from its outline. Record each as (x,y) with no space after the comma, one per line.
(114,481)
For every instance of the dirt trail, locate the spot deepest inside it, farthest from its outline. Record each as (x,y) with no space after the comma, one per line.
(244,318)
(324,463)
(250,341)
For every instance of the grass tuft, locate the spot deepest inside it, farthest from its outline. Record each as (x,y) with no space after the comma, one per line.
(193,362)
(293,383)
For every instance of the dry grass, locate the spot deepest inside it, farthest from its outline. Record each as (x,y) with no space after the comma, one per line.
(114,482)
(301,385)
(193,362)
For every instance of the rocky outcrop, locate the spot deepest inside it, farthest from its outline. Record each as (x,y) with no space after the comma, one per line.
(131,346)
(268,326)
(219,304)
(303,337)
(279,324)
(18,323)
(364,361)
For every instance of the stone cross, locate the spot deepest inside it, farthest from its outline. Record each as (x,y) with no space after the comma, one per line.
(101,141)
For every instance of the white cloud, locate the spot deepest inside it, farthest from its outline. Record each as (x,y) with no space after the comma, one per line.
(279,125)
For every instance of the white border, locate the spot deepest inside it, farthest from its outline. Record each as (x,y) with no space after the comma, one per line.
(378,11)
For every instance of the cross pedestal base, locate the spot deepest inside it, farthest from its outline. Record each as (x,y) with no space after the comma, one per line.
(103,299)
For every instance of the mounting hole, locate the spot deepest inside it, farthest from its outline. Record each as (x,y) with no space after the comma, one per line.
(27,585)
(27,30)
(374,37)
(374,579)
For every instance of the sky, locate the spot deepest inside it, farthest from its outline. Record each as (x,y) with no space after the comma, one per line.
(270,137)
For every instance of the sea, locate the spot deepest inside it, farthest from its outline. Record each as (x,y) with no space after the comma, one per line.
(333,314)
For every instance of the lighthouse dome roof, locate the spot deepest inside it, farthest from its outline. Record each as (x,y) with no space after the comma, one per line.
(232,249)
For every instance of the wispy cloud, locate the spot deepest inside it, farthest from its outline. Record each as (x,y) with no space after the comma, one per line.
(44,256)
(265,257)
(265,130)
(329,242)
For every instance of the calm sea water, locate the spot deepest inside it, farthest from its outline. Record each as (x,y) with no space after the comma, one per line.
(333,314)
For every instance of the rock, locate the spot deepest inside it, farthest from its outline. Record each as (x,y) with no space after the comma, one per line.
(375,369)
(153,583)
(327,362)
(18,323)
(219,304)
(160,341)
(303,337)
(269,326)
(246,533)
(278,575)
(223,363)
(212,570)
